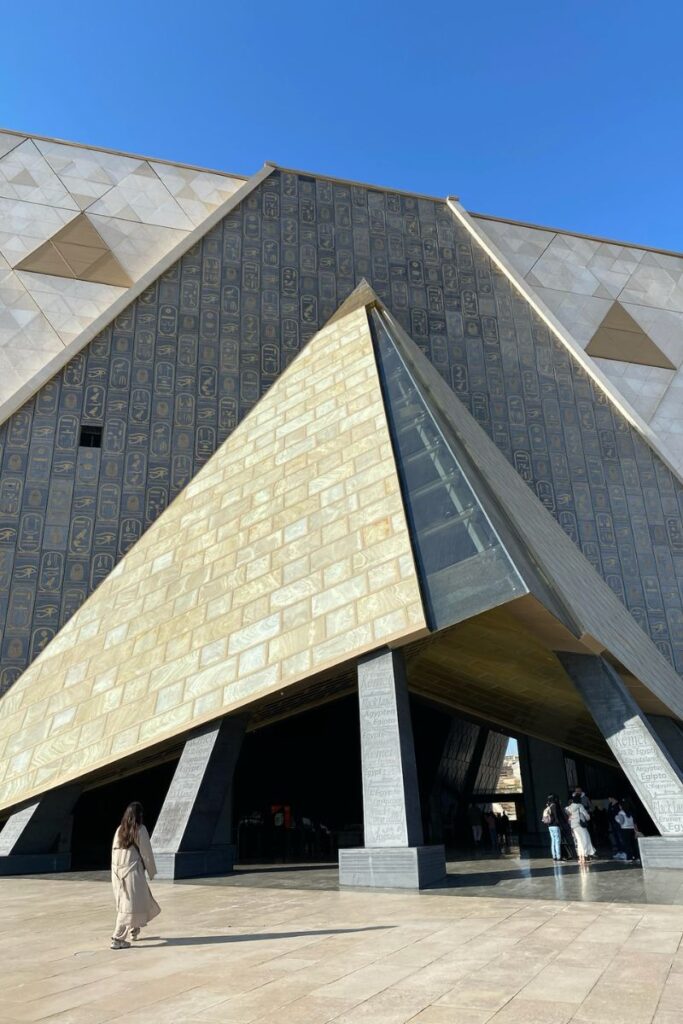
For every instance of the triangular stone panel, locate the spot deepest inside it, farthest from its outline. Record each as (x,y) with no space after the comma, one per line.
(288,554)
(77,251)
(620,337)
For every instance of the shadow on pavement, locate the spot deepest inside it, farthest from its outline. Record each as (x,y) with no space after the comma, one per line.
(212,940)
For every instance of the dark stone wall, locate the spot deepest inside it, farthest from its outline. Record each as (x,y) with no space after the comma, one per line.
(174,374)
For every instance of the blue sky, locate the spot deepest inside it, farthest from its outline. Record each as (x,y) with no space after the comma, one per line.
(565,113)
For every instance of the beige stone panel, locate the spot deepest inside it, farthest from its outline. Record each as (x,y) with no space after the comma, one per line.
(287,554)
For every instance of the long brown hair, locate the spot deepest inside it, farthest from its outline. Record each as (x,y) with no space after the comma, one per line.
(131,820)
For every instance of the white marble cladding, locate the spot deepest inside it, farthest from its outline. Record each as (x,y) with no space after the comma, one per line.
(579,279)
(141,208)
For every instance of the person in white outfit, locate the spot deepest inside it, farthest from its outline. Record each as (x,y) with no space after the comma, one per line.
(131,856)
(578,819)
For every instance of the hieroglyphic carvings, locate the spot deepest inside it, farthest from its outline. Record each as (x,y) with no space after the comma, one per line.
(176,371)
(391,808)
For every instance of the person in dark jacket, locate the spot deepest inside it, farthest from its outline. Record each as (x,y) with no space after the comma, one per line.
(615,829)
(553,817)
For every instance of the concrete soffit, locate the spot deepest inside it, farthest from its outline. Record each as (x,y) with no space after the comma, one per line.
(560,332)
(48,370)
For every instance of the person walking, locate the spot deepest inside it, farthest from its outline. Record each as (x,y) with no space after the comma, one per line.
(553,817)
(578,821)
(131,856)
(628,830)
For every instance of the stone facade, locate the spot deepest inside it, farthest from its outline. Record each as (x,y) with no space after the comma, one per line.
(177,371)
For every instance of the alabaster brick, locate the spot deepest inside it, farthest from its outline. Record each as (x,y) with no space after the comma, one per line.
(144,643)
(178,645)
(127,739)
(160,725)
(213,652)
(66,698)
(252,660)
(29,736)
(296,614)
(92,732)
(171,671)
(207,703)
(380,576)
(62,719)
(295,640)
(340,621)
(335,531)
(246,687)
(302,588)
(131,715)
(333,597)
(168,697)
(259,567)
(88,631)
(340,647)
(215,677)
(36,712)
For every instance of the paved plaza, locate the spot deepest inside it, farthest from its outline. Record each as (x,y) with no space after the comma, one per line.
(288,946)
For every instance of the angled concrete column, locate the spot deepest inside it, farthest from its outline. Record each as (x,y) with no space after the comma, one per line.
(671,735)
(543,770)
(30,841)
(193,833)
(394,855)
(640,751)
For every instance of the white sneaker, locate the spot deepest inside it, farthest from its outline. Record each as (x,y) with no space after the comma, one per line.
(135,934)
(119,944)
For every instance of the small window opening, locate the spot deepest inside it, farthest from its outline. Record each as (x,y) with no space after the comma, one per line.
(91,436)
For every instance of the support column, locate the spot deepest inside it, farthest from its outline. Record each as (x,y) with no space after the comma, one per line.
(30,840)
(193,833)
(671,735)
(394,855)
(642,755)
(543,771)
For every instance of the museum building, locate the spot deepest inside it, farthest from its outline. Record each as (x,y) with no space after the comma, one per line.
(313,494)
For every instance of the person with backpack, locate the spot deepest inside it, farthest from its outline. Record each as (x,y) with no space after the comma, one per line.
(553,818)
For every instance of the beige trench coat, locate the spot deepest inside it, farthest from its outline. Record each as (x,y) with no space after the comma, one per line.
(135,905)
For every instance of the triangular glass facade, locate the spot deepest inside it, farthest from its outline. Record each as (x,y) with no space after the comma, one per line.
(463,566)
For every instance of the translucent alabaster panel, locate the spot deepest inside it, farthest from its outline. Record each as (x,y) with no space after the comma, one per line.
(287,554)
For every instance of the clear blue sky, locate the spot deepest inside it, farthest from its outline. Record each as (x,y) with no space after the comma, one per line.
(562,112)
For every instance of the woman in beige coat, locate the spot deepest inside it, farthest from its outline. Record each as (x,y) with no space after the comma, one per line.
(131,855)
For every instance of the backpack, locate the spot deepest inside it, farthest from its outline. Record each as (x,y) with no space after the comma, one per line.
(547,816)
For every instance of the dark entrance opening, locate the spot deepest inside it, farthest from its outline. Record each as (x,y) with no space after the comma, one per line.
(298,791)
(298,785)
(99,811)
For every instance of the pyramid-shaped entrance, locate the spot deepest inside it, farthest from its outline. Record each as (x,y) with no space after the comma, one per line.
(287,555)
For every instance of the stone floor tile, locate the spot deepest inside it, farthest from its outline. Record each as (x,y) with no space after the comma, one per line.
(452,1015)
(532,1011)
